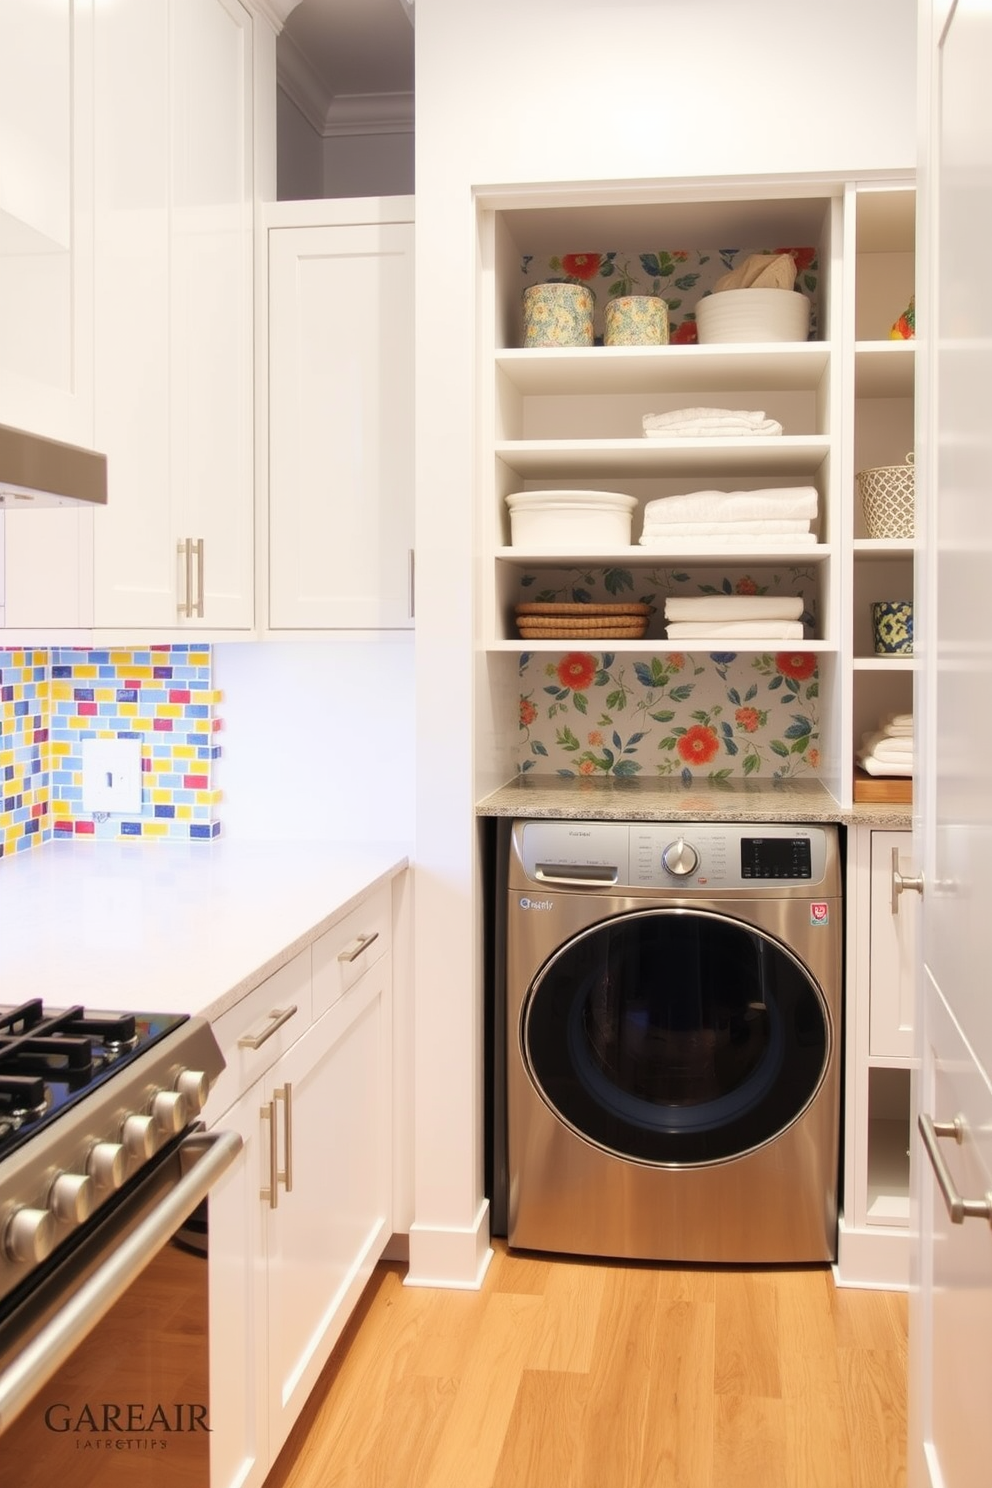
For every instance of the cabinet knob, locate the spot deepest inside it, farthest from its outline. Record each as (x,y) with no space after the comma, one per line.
(901,882)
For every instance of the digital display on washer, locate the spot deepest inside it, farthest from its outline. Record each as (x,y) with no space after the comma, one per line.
(776,857)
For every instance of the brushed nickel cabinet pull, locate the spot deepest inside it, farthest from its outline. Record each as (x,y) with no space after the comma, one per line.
(198,551)
(279,1016)
(901,882)
(185,551)
(286,1096)
(958,1208)
(355,947)
(272,1192)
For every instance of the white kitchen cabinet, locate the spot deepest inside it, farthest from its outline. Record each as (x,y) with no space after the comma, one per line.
(879,1057)
(174,216)
(339,415)
(301,1219)
(331,1105)
(46,218)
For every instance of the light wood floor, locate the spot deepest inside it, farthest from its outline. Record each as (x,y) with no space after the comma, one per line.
(585,1374)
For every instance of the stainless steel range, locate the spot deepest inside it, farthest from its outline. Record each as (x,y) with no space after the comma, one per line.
(103,1162)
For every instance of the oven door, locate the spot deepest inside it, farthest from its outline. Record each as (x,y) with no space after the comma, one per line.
(104,1364)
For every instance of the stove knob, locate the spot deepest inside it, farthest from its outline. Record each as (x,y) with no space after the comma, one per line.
(72,1198)
(195,1086)
(170,1112)
(140,1137)
(107,1165)
(29,1236)
(679,858)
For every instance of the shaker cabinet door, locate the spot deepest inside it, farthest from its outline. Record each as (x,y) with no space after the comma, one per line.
(341,426)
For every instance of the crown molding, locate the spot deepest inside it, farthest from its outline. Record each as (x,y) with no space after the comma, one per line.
(331,115)
(276,12)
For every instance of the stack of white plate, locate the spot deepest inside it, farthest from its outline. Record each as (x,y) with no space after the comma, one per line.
(570,521)
(753,315)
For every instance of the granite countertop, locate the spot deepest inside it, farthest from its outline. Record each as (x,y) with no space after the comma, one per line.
(634,798)
(171,927)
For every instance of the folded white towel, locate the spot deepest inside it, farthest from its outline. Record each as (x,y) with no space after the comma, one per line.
(661,542)
(897,723)
(751,416)
(885,746)
(735,607)
(873,766)
(741,506)
(767,630)
(709,422)
(758,528)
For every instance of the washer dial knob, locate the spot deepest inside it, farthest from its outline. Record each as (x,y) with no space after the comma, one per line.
(679,858)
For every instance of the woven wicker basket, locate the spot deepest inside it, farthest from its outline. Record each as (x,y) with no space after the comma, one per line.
(888,498)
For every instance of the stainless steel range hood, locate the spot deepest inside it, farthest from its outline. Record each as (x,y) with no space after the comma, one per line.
(43,472)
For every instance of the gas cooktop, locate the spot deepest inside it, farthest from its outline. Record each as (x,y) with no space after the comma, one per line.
(49,1061)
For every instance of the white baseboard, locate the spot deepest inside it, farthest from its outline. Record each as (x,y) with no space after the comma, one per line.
(447,1257)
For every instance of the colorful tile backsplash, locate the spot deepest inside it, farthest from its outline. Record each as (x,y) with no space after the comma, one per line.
(50,701)
(710,717)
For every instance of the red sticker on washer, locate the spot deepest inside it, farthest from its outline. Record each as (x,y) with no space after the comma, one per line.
(819,912)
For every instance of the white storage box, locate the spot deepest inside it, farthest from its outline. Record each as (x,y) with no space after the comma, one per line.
(753,315)
(570,521)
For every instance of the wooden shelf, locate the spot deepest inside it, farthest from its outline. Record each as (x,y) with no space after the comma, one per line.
(795,455)
(640,557)
(884,369)
(634,369)
(658,647)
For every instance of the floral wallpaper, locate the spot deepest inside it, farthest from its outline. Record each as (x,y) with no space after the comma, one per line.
(710,717)
(681,276)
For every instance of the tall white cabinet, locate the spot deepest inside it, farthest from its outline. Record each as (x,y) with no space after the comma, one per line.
(143,344)
(338,533)
(174,215)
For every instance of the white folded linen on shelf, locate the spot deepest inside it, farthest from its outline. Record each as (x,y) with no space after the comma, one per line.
(759,528)
(735,607)
(873,766)
(743,506)
(887,746)
(897,725)
(770,630)
(664,542)
(709,422)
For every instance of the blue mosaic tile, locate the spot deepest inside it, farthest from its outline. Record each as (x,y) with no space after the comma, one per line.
(130,829)
(127,695)
(166,811)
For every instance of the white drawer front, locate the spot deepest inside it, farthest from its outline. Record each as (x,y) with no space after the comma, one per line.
(345,952)
(259,1029)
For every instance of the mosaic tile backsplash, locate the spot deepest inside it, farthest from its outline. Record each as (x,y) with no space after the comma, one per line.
(50,701)
(697,716)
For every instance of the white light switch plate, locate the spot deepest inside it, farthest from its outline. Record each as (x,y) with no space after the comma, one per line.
(112,775)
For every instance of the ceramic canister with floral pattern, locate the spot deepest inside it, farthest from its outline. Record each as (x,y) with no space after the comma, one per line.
(636,320)
(558,315)
(892,626)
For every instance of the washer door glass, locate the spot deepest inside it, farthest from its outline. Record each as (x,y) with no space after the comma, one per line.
(676,1036)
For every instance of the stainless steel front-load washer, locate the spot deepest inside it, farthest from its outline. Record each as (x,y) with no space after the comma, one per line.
(673,1010)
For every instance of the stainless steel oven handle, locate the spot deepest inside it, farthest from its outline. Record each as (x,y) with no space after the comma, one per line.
(210,1154)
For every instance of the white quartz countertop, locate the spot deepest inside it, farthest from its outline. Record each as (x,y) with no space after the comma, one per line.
(171,927)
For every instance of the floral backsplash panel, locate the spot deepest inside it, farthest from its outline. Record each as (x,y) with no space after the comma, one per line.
(694,715)
(164,695)
(24,803)
(680,276)
(652,586)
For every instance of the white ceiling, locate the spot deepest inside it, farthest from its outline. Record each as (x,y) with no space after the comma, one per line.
(348,64)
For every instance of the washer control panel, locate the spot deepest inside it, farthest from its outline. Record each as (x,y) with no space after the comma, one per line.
(687,856)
